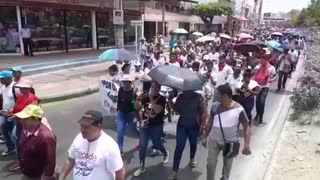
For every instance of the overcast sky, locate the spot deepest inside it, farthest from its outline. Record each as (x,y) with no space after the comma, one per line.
(276,5)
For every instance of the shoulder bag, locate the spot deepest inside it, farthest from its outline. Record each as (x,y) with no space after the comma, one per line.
(231,149)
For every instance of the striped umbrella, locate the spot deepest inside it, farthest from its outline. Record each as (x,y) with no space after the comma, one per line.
(116,54)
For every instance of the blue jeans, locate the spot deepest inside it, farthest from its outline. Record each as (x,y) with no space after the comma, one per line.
(261,102)
(124,120)
(17,133)
(7,128)
(155,134)
(182,134)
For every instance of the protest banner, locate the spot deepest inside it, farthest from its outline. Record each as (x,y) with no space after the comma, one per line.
(109,96)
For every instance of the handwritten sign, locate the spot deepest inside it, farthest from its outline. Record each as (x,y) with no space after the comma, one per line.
(109,95)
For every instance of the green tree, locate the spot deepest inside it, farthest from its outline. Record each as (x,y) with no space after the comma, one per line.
(207,11)
(309,16)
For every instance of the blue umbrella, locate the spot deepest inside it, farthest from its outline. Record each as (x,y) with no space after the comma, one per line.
(116,54)
(275,45)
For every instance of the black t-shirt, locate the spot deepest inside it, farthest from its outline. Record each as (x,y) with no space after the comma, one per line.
(148,114)
(126,101)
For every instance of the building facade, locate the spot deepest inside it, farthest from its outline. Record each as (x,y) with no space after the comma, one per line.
(63,25)
(178,14)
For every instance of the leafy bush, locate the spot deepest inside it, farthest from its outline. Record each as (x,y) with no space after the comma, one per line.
(305,98)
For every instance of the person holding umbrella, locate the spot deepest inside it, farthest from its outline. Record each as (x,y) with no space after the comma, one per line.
(152,124)
(191,120)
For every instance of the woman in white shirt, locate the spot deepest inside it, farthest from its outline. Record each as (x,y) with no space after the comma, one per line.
(234,80)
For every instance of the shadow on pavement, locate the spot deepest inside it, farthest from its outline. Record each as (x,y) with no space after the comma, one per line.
(161,172)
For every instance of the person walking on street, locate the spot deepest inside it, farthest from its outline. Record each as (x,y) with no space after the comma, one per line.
(152,124)
(126,109)
(222,132)
(234,80)
(264,74)
(285,61)
(38,146)
(93,154)
(25,98)
(27,41)
(191,120)
(247,90)
(7,106)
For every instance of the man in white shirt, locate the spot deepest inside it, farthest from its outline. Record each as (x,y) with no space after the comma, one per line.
(7,106)
(214,55)
(137,74)
(27,42)
(223,70)
(94,155)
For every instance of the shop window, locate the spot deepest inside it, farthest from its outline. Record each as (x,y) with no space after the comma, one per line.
(105,29)
(79,29)
(47,28)
(9,35)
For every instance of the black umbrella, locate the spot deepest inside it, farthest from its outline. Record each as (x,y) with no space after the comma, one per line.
(178,78)
(246,47)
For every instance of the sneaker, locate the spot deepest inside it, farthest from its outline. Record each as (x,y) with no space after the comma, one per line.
(14,167)
(256,118)
(173,176)
(139,171)
(193,163)
(154,153)
(166,158)
(2,141)
(7,153)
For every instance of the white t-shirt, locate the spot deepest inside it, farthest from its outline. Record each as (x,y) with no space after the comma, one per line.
(137,82)
(223,75)
(234,83)
(98,160)
(214,57)
(175,64)
(8,98)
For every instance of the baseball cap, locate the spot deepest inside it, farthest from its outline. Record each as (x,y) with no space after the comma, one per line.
(24,84)
(127,77)
(90,117)
(137,63)
(17,69)
(6,74)
(30,111)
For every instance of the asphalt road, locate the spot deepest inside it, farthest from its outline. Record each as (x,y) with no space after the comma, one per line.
(63,117)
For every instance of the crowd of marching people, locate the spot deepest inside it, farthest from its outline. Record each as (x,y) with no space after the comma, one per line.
(234,82)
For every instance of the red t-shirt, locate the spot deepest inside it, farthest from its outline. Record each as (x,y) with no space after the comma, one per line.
(23,101)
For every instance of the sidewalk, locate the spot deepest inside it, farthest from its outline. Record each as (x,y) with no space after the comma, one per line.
(69,83)
(41,60)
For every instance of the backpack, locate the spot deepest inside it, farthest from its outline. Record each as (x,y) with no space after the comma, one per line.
(262,75)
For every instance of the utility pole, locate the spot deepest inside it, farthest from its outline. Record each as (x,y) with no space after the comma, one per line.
(163,17)
(260,12)
(118,5)
(255,12)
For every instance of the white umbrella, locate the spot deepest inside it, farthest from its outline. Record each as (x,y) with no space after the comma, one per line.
(226,36)
(205,39)
(277,34)
(197,33)
(180,31)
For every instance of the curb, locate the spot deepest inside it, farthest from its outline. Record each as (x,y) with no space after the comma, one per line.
(75,94)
